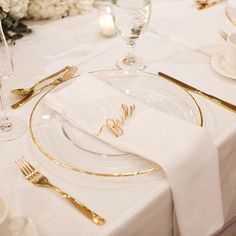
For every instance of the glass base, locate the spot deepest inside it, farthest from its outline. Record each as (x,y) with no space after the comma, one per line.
(11,128)
(134,65)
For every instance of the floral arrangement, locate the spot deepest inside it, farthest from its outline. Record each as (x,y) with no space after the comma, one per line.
(13,11)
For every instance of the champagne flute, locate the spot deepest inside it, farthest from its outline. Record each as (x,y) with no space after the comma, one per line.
(10,127)
(131,19)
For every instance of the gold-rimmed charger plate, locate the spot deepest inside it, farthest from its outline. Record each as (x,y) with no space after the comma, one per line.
(47,127)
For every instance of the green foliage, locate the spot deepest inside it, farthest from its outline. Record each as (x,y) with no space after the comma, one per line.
(13,29)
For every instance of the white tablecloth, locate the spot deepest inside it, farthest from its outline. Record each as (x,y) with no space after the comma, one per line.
(135,205)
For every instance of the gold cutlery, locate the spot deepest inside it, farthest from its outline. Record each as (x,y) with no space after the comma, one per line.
(204,4)
(210,97)
(26,91)
(68,75)
(38,179)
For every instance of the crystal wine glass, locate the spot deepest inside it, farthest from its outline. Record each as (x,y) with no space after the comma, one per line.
(230,15)
(10,127)
(131,19)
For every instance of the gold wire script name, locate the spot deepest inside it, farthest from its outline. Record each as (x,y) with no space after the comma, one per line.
(114,126)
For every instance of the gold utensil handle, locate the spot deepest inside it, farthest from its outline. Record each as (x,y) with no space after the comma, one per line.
(210,97)
(54,74)
(217,100)
(30,96)
(205,4)
(24,100)
(99,220)
(33,94)
(47,78)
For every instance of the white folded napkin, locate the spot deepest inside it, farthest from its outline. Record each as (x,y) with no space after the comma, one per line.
(184,151)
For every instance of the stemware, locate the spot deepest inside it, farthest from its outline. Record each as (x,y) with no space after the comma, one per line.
(10,127)
(230,16)
(131,19)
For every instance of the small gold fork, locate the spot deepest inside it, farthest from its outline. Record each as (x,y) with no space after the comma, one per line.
(38,179)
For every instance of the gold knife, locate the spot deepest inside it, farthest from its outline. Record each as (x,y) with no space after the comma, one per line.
(210,97)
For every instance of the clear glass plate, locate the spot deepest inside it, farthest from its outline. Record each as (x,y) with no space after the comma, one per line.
(72,148)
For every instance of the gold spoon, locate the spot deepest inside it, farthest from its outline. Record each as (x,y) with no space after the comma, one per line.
(27,91)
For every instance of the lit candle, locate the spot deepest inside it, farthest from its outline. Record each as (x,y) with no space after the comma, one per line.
(106,23)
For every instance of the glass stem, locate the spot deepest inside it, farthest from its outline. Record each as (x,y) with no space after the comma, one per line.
(130,58)
(3,101)
(5,124)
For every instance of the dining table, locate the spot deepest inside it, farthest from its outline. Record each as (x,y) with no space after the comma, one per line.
(180,41)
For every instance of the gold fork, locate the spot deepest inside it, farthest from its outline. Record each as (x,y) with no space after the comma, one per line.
(36,178)
(67,75)
(26,91)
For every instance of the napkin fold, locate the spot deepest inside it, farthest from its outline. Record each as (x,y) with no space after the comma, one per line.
(183,150)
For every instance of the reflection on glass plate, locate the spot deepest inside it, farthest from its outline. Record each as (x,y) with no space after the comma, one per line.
(70,147)
(89,143)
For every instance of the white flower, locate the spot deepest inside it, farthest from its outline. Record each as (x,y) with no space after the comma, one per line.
(4,5)
(18,8)
(45,9)
(79,6)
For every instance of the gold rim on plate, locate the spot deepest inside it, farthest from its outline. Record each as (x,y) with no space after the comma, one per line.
(83,171)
